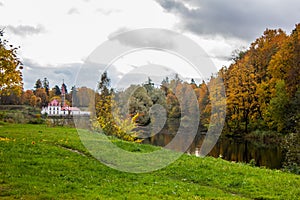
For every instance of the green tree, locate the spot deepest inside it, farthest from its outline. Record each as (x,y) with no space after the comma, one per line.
(278,107)
(56,90)
(149,85)
(64,86)
(140,103)
(46,85)
(38,84)
(74,96)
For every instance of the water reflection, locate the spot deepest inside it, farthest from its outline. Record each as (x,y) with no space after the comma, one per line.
(237,150)
(243,151)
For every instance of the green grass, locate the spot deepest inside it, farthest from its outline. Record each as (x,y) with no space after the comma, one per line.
(36,163)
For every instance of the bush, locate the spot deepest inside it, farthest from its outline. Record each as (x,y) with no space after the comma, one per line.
(36,121)
(292,149)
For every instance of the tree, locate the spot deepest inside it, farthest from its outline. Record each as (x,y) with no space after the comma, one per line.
(149,85)
(38,84)
(56,90)
(140,103)
(46,85)
(286,63)
(26,97)
(294,113)
(278,107)
(202,94)
(193,83)
(42,95)
(33,101)
(74,96)
(250,81)
(104,84)
(241,100)
(64,86)
(10,69)
(109,119)
(84,97)
(173,106)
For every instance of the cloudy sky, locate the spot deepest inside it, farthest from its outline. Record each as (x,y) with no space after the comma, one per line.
(57,36)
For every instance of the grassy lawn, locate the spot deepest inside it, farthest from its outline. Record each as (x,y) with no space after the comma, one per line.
(36,162)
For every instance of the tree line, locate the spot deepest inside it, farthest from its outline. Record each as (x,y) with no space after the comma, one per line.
(261,88)
(263,84)
(42,94)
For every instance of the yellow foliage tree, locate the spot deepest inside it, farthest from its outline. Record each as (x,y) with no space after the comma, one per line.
(10,69)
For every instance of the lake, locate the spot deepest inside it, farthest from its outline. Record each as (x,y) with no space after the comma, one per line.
(231,149)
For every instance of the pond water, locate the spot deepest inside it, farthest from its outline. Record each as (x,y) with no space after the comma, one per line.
(232,149)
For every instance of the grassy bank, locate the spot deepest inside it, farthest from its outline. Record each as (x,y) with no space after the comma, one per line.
(20,114)
(37,162)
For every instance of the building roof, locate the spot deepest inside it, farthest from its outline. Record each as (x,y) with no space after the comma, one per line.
(70,108)
(54,102)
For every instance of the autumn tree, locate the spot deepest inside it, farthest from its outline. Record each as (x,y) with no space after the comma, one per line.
(26,97)
(83,97)
(10,69)
(285,64)
(202,94)
(248,85)
(41,94)
(109,120)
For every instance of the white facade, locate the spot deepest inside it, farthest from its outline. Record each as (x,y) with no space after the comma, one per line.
(55,109)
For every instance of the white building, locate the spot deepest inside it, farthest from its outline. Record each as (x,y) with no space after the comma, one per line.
(55,108)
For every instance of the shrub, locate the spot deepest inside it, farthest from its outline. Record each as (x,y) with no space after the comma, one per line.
(292,149)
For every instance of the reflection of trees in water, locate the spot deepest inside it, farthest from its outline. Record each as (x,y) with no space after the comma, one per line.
(245,151)
(238,150)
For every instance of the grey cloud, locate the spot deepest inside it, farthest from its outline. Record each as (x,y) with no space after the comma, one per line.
(1,4)
(233,18)
(55,74)
(148,37)
(25,30)
(73,11)
(90,72)
(140,75)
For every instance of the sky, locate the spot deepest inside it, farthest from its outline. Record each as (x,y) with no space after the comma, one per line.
(58,36)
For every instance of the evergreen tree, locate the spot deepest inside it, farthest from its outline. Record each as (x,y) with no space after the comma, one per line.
(38,84)
(46,85)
